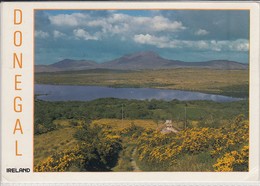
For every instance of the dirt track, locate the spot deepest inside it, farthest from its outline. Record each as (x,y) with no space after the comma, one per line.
(133,163)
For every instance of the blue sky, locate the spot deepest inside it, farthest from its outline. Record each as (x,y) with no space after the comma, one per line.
(187,35)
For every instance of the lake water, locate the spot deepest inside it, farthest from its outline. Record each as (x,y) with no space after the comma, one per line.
(87,93)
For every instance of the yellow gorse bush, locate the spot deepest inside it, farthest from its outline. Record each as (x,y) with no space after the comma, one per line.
(223,144)
(97,149)
(100,146)
(60,162)
(233,161)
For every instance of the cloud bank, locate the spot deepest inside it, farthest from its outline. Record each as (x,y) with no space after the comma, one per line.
(103,35)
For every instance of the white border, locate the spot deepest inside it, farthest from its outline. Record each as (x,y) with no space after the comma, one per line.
(7,94)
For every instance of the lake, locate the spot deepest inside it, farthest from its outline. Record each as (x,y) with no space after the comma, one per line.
(87,93)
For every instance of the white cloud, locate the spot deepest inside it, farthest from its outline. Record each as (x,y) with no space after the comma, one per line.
(74,19)
(202,45)
(201,32)
(118,23)
(160,23)
(240,45)
(148,24)
(160,42)
(82,34)
(58,34)
(41,34)
(155,30)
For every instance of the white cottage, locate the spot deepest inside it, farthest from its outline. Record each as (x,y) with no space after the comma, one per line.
(168,127)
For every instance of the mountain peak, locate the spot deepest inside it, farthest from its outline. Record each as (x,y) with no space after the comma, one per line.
(143,54)
(139,60)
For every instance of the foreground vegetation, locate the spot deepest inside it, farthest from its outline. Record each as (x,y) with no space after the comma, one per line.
(196,149)
(225,82)
(102,148)
(101,136)
(52,142)
(198,113)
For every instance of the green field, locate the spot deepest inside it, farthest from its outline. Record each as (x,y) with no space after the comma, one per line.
(88,129)
(225,82)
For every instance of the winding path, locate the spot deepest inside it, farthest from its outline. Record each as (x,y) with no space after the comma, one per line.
(133,162)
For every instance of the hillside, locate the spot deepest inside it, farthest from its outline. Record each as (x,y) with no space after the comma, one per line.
(103,141)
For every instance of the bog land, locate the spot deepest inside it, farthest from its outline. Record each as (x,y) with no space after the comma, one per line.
(224,82)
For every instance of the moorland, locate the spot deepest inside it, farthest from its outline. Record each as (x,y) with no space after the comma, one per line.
(111,134)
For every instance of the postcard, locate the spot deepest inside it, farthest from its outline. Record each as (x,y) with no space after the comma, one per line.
(106,92)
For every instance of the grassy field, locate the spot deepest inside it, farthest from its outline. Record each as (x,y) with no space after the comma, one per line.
(121,124)
(118,124)
(225,82)
(54,141)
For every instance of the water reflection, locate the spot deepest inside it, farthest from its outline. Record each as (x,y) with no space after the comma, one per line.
(87,93)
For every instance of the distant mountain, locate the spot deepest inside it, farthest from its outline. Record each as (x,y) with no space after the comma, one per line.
(138,61)
(151,60)
(67,65)
(74,64)
(142,60)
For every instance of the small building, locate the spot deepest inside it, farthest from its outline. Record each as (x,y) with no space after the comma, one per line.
(168,124)
(168,127)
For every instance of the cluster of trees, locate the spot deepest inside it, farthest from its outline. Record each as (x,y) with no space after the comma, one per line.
(204,111)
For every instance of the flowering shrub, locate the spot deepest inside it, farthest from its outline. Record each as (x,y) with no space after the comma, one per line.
(222,149)
(233,161)
(98,150)
(60,162)
(222,144)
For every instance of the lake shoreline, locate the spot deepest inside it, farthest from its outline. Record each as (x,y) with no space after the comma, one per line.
(50,92)
(232,83)
(225,92)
